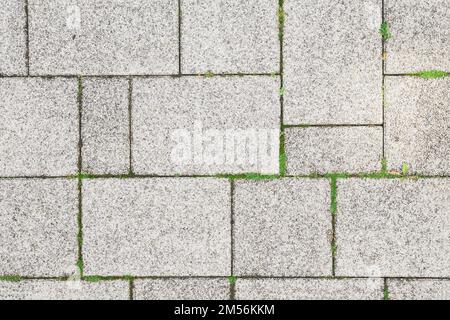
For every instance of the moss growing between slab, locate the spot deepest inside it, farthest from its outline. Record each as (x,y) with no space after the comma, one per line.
(232,279)
(283,157)
(384,31)
(386,291)
(80,264)
(333,207)
(281,19)
(430,74)
(11,278)
(209,74)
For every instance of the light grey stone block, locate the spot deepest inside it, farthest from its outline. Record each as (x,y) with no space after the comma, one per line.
(332,62)
(337,149)
(103,37)
(38,227)
(419,289)
(64,290)
(156,227)
(182,289)
(230,36)
(12,38)
(417,119)
(393,228)
(105,126)
(282,228)
(198,125)
(420,37)
(38,126)
(309,289)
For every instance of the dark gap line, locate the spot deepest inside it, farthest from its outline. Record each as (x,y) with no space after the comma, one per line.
(27,38)
(130,125)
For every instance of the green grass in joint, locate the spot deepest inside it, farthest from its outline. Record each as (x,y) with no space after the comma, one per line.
(386,293)
(11,278)
(281,19)
(430,74)
(333,207)
(80,266)
(232,279)
(283,157)
(384,31)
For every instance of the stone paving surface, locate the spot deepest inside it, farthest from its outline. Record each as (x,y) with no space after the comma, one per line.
(224,149)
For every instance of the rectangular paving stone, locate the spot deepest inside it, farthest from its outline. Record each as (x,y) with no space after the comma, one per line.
(38,227)
(105,126)
(332,62)
(230,36)
(417,125)
(282,228)
(199,125)
(393,228)
(39,127)
(64,290)
(12,38)
(419,289)
(309,289)
(103,37)
(420,38)
(156,227)
(182,289)
(337,149)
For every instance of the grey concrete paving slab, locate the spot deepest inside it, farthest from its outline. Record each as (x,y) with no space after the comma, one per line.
(39,127)
(332,62)
(103,37)
(64,290)
(309,289)
(393,228)
(230,36)
(417,125)
(337,149)
(38,227)
(282,228)
(420,39)
(198,125)
(419,289)
(105,126)
(182,289)
(156,227)
(13,45)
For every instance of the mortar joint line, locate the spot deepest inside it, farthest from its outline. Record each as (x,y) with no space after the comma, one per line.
(27,38)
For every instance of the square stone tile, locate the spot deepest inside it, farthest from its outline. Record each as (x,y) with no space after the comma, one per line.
(182,289)
(103,37)
(417,125)
(282,228)
(198,125)
(38,126)
(157,227)
(64,290)
(332,62)
(38,227)
(420,35)
(337,149)
(230,36)
(105,126)
(12,37)
(309,289)
(393,228)
(419,289)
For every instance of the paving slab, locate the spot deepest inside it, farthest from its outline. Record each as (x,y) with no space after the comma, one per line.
(332,62)
(12,38)
(156,227)
(64,290)
(103,37)
(393,228)
(419,289)
(39,127)
(105,126)
(420,36)
(417,125)
(282,228)
(336,149)
(309,289)
(182,289)
(199,125)
(38,227)
(230,36)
